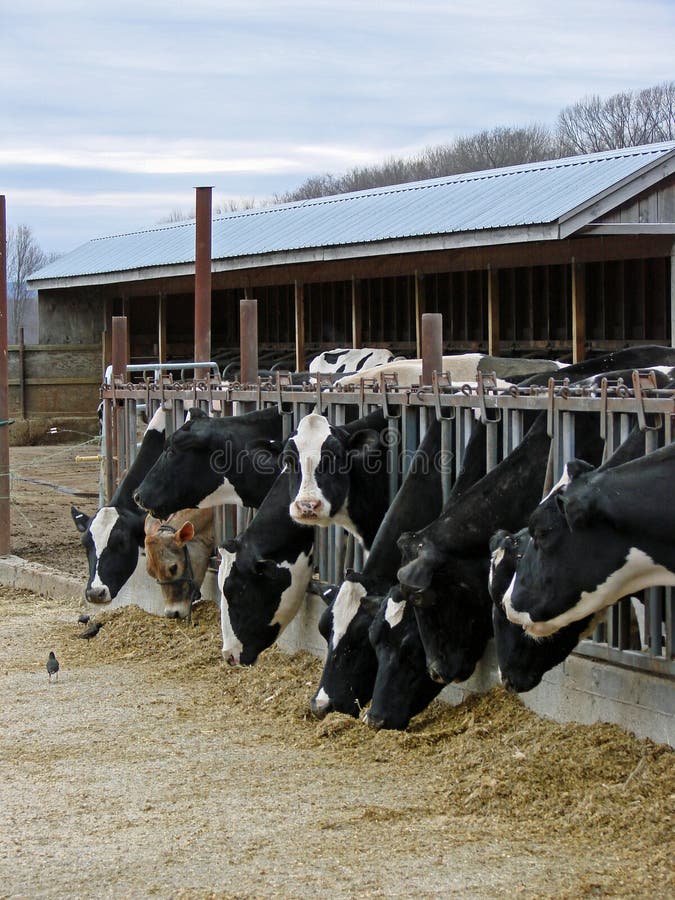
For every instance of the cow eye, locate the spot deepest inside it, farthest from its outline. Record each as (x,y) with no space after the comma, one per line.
(173,569)
(291,463)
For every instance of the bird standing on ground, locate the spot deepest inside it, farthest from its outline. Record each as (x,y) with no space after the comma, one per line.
(91,631)
(84,619)
(52,666)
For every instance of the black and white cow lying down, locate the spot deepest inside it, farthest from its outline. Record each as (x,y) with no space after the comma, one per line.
(605,535)
(209,461)
(263,577)
(338,474)
(348,359)
(113,536)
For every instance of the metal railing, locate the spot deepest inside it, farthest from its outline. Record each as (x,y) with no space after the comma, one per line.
(409,411)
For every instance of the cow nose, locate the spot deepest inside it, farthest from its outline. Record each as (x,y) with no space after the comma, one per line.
(375,722)
(320,708)
(97,595)
(435,674)
(308,506)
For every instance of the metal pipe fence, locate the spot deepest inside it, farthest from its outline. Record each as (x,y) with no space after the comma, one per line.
(637,635)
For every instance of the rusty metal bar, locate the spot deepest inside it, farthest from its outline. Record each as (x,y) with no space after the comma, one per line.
(299,327)
(248,340)
(4,388)
(22,373)
(203,276)
(120,358)
(432,346)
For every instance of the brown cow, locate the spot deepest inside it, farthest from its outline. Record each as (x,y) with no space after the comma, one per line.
(178,553)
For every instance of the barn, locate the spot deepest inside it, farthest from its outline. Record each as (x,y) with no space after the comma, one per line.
(565,258)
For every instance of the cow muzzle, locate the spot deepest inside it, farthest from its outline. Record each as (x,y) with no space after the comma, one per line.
(99,595)
(306,509)
(320,707)
(374,722)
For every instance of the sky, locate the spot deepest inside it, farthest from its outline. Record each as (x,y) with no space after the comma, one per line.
(111,113)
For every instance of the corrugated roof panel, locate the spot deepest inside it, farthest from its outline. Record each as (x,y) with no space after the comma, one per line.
(535,194)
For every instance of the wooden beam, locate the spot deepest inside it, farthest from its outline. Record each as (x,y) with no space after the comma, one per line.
(420,308)
(578,311)
(162,343)
(299,327)
(672,296)
(493,311)
(357,321)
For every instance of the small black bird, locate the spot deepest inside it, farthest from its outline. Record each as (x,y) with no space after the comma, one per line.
(84,619)
(52,666)
(91,631)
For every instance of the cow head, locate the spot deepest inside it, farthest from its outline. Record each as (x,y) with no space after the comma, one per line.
(420,557)
(349,670)
(319,458)
(111,539)
(168,562)
(259,597)
(207,462)
(402,687)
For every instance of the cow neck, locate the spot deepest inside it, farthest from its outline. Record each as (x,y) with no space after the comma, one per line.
(273,528)
(148,454)
(417,503)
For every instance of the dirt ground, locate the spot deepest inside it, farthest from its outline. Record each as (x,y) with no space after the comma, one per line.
(151,768)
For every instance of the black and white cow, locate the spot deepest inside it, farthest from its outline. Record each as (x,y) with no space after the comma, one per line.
(605,535)
(403,687)
(448,579)
(209,461)
(338,474)
(350,666)
(627,359)
(263,577)
(114,535)
(522,659)
(348,359)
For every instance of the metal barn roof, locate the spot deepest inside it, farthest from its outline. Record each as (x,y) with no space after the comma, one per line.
(531,202)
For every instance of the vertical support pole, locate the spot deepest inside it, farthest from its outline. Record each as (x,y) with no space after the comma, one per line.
(22,373)
(432,345)
(162,350)
(120,358)
(578,311)
(420,305)
(493,311)
(203,279)
(4,388)
(357,323)
(248,340)
(106,338)
(299,327)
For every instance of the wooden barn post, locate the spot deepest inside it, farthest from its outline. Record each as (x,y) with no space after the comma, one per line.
(578,311)
(299,327)
(432,346)
(4,388)
(248,340)
(672,296)
(357,324)
(493,311)
(420,305)
(203,278)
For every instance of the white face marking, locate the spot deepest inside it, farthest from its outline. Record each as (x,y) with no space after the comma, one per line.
(231,646)
(100,528)
(638,572)
(345,607)
(495,559)
(560,484)
(224,493)
(321,699)
(157,422)
(394,612)
(312,432)
(292,597)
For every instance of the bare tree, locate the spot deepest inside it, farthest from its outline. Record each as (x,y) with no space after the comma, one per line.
(627,119)
(24,256)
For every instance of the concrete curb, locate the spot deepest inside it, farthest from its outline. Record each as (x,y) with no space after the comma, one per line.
(29,576)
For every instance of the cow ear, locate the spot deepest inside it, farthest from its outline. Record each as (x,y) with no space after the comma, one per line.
(195,412)
(577,467)
(575,515)
(499,538)
(327,592)
(364,440)
(230,546)
(151,525)
(80,519)
(266,567)
(186,533)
